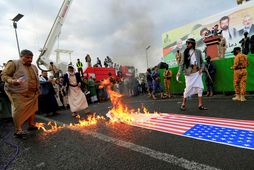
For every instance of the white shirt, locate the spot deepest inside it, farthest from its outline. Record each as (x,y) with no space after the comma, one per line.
(246,29)
(226,34)
(193,59)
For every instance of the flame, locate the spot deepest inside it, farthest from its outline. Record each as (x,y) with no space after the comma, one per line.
(91,120)
(118,113)
(53,127)
(40,126)
(49,127)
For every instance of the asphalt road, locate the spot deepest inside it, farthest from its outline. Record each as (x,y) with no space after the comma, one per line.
(120,146)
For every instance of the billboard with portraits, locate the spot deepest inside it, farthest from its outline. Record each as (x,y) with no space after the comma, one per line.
(233,23)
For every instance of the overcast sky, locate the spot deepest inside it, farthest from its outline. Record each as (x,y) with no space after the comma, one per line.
(120,29)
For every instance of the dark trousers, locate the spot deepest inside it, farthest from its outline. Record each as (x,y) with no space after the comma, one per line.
(80,70)
(209,83)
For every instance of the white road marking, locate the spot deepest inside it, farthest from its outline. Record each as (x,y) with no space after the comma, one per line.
(181,162)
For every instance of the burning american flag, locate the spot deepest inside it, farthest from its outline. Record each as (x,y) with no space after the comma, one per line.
(238,133)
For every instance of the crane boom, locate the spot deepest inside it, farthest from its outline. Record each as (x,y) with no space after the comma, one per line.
(55,31)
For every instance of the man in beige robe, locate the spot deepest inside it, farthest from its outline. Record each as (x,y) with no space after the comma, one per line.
(22,88)
(222,47)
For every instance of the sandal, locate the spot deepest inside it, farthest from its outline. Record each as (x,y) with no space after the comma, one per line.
(202,108)
(20,134)
(74,114)
(183,107)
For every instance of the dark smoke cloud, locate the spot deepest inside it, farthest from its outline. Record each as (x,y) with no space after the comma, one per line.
(135,30)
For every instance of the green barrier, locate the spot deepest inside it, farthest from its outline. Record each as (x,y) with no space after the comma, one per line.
(223,79)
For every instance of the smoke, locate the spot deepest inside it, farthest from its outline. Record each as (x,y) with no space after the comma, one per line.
(134,31)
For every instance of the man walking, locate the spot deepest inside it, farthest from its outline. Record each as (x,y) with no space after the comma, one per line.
(22,88)
(240,74)
(76,98)
(192,64)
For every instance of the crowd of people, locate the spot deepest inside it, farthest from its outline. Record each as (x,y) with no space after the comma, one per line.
(30,92)
(191,63)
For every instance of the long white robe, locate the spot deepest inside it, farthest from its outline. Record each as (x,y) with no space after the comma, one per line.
(76,98)
(194,85)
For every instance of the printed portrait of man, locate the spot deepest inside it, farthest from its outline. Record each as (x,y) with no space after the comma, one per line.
(227,32)
(248,26)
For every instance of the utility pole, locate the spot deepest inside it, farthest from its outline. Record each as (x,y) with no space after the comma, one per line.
(147,55)
(15,20)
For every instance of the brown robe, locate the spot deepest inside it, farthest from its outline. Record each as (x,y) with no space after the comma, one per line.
(24,104)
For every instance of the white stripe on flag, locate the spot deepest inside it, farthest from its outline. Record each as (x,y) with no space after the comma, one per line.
(159,128)
(245,122)
(191,121)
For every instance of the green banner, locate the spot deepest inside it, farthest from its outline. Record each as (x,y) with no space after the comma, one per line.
(223,79)
(232,22)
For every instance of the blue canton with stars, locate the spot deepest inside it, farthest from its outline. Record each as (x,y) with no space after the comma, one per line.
(224,135)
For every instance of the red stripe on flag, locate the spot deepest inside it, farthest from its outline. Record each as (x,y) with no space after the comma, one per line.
(172,131)
(167,125)
(190,121)
(178,124)
(250,122)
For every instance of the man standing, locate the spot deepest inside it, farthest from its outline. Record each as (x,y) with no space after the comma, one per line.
(80,67)
(76,98)
(222,47)
(149,81)
(22,88)
(106,62)
(156,83)
(252,44)
(47,100)
(192,64)
(109,61)
(178,56)
(99,62)
(240,74)
(167,78)
(216,30)
(245,43)
(209,75)
(54,70)
(204,32)
(91,86)
(88,60)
